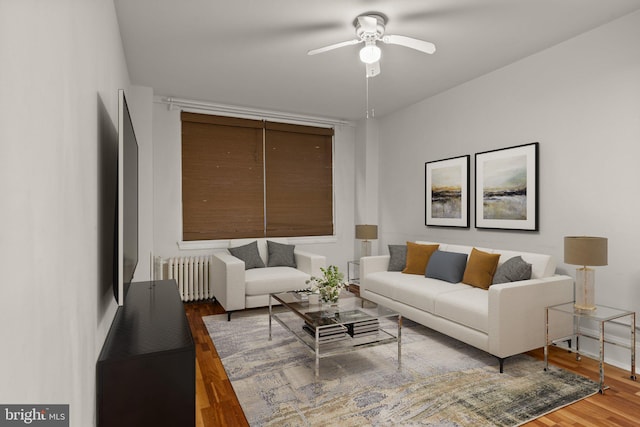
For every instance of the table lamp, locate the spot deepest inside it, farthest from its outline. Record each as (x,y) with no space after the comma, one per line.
(366,232)
(585,251)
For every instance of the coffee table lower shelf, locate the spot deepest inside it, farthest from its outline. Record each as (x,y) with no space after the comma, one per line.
(293,321)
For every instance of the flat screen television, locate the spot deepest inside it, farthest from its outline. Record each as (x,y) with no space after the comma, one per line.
(126,230)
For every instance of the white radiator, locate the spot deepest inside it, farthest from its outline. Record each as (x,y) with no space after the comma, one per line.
(192,274)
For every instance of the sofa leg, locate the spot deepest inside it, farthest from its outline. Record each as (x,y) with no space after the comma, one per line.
(501,360)
(228,316)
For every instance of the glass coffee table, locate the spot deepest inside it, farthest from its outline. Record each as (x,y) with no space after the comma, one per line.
(326,330)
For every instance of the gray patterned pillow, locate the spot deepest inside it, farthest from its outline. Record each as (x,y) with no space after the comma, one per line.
(512,270)
(398,259)
(249,254)
(280,255)
(447,266)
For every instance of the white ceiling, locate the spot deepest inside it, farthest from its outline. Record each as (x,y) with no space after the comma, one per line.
(252,53)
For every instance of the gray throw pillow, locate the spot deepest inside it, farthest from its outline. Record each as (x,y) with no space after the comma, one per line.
(398,259)
(447,266)
(280,255)
(512,270)
(249,254)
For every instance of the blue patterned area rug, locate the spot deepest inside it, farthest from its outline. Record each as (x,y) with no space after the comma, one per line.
(441,382)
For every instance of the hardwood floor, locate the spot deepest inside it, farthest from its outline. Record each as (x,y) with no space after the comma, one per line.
(217,404)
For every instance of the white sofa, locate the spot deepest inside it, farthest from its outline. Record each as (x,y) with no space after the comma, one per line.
(505,320)
(237,288)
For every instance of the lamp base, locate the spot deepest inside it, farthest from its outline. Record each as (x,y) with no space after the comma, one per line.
(585,289)
(577,307)
(366,248)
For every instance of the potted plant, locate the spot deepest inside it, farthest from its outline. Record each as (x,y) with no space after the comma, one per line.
(329,285)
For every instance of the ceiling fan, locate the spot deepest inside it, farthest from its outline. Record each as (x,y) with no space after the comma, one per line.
(370,29)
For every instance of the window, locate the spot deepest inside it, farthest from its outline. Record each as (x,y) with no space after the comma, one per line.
(246,178)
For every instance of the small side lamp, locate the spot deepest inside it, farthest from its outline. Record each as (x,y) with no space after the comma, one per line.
(366,232)
(585,251)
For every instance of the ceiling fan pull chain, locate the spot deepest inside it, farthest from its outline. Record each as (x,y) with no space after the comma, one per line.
(373,111)
(366,79)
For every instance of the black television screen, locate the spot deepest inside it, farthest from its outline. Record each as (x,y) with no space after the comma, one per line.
(127,215)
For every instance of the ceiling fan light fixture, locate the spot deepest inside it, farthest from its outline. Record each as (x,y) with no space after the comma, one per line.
(370,53)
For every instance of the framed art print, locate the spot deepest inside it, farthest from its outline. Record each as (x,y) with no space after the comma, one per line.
(447,192)
(507,188)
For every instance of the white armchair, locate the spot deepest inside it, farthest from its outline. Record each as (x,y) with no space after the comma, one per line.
(258,268)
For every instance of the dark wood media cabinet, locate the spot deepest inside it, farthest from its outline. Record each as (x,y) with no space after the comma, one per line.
(145,375)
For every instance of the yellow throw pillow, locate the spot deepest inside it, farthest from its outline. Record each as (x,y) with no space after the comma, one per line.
(480,269)
(418,257)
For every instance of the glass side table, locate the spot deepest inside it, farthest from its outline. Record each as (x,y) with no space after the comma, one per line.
(600,315)
(353,277)
(353,272)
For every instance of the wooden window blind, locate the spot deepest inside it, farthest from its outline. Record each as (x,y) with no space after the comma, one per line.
(298,170)
(249,178)
(222,175)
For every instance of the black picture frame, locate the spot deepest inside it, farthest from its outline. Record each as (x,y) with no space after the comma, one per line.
(447,185)
(506,188)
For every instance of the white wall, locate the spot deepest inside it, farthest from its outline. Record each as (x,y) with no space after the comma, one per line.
(167,202)
(62,66)
(581,101)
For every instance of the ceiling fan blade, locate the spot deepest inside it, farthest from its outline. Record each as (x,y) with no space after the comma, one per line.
(410,42)
(373,69)
(333,46)
(368,24)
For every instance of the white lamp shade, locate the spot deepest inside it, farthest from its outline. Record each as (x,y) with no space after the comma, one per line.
(370,54)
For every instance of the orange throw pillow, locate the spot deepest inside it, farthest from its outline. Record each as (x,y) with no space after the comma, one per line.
(418,257)
(480,269)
